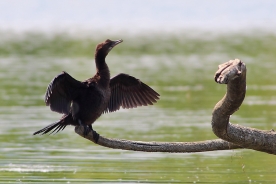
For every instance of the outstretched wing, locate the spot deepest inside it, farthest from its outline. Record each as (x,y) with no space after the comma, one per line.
(61,91)
(129,92)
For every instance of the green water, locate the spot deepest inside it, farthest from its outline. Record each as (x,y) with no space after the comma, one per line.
(180,67)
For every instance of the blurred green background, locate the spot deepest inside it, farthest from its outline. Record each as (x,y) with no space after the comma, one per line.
(174,47)
(180,67)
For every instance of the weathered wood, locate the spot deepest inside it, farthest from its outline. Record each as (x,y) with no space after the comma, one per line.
(175,147)
(233,73)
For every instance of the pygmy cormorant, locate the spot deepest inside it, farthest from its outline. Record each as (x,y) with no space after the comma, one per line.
(81,103)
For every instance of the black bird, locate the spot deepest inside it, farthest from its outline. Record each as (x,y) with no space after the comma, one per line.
(81,103)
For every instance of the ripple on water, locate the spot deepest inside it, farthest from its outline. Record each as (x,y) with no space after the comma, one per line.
(35,168)
(259,100)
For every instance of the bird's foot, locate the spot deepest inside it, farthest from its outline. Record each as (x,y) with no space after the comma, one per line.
(87,129)
(95,134)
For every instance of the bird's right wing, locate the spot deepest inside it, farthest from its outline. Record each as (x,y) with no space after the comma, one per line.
(129,92)
(61,91)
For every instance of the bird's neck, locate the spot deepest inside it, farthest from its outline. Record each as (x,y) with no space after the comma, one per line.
(103,74)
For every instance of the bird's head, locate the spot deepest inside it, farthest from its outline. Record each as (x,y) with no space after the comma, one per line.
(104,48)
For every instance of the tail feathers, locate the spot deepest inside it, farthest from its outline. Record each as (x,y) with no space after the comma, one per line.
(54,127)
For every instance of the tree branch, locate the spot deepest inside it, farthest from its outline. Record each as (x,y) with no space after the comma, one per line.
(175,147)
(232,73)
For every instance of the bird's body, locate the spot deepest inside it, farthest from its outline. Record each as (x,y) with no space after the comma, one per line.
(82,103)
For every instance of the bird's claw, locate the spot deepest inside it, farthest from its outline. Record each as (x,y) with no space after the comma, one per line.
(87,129)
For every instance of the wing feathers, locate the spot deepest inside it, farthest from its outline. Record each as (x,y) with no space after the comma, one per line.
(61,91)
(129,92)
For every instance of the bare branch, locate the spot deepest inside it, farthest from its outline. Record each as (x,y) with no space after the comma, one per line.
(233,73)
(175,147)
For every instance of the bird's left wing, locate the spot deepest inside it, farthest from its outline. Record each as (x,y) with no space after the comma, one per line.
(129,92)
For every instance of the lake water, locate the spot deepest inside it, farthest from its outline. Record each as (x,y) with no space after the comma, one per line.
(180,68)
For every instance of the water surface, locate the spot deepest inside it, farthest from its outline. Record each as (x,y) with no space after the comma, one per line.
(181,70)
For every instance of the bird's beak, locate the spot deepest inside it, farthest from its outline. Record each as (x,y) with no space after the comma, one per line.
(114,43)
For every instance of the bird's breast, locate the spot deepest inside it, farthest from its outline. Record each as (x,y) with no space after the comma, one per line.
(105,93)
